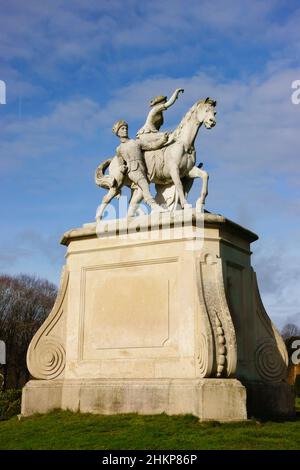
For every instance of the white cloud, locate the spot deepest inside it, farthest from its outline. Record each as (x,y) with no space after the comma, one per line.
(252,154)
(58,33)
(257,129)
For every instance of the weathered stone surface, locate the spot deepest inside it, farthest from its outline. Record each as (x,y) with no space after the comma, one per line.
(269,399)
(166,159)
(157,309)
(210,399)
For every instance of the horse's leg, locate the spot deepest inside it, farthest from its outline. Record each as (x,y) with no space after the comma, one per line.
(174,173)
(136,199)
(172,159)
(196,172)
(106,200)
(187,184)
(166,195)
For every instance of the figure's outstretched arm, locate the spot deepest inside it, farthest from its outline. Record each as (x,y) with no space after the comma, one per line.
(173,98)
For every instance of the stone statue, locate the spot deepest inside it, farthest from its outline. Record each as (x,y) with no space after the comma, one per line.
(147,320)
(149,131)
(171,164)
(130,157)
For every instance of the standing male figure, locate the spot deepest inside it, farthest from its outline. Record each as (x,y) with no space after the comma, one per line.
(130,152)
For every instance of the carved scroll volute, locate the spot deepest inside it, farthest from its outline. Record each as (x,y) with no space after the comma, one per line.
(270,355)
(224,315)
(217,355)
(46,356)
(205,347)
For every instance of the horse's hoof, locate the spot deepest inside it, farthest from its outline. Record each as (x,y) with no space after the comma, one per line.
(158,208)
(199,207)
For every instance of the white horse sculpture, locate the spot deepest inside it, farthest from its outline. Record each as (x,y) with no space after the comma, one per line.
(173,164)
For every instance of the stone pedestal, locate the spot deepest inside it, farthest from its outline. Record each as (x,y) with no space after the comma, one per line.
(155,315)
(210,399)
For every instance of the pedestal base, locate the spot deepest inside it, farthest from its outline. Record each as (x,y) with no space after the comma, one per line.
(156,316)
(209,399)
(270,400)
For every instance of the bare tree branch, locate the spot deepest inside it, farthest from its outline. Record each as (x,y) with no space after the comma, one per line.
(25,302)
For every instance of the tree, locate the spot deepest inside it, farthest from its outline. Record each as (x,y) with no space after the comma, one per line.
(289,330)
(25,302)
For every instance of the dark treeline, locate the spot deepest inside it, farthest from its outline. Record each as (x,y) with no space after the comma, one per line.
(25,301)
(290,330)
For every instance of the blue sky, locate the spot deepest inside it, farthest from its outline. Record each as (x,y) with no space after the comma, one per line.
(74,67)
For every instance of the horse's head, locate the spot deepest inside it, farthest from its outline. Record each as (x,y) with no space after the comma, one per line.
(207,112)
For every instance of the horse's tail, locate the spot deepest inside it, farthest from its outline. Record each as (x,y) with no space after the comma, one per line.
(102,180)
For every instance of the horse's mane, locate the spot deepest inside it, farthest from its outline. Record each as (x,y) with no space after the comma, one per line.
(190,113)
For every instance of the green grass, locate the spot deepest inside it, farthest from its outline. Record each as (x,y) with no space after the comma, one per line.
(66,430)
(10,403)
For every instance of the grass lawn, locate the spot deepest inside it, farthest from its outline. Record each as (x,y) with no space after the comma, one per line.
(66,430)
